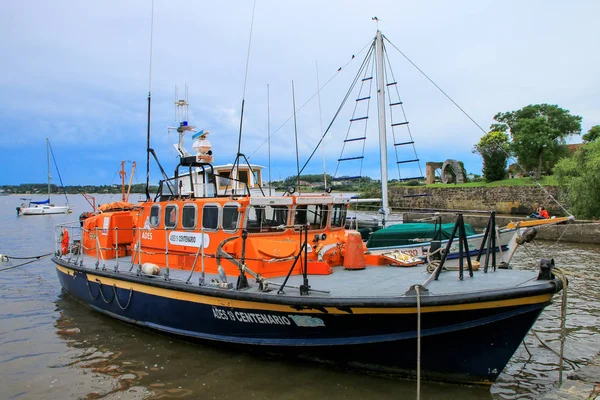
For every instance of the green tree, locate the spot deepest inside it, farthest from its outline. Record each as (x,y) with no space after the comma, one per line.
(537,133)
(493,148)
(592,135)
(580,176)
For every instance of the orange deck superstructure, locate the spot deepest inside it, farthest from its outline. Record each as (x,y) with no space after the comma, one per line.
(178,232)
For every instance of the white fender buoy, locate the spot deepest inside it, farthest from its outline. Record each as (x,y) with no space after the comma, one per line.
(150,269)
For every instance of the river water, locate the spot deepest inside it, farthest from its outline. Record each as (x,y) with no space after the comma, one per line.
(52,347)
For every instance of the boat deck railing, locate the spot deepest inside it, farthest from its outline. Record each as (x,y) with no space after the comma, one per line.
(73,248)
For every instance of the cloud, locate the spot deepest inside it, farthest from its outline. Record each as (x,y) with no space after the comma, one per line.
(78,73)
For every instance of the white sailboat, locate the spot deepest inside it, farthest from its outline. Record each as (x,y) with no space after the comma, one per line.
(44,207)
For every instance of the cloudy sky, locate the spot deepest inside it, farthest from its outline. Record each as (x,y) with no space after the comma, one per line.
(78,73)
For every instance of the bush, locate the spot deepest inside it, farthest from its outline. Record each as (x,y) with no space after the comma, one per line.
(413,183)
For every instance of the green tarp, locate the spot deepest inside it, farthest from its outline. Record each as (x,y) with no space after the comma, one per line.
(412,233)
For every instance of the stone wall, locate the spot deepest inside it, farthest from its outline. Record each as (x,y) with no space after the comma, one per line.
(516,200)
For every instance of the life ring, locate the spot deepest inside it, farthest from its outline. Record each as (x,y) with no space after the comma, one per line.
(65,241)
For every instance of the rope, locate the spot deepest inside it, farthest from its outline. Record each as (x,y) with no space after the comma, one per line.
(418,290)
(117,297)
(308,101)
(34,259)
(560,273)
(26,258)
(573,364)
(62,185)
(248,52)
(433,265)
(550,196)
(102,294)
(151,42)
(563,322)
(16,266)
(87,283)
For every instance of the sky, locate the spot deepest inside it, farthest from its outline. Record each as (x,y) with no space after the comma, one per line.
(78,73)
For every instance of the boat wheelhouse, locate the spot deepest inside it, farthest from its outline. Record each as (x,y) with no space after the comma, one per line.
(250,176)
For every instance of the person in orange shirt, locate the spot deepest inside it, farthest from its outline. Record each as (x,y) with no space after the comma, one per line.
(541,213)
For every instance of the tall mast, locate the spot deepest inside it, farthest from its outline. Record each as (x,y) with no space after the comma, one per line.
(122,173)
(48,158)
(382,134)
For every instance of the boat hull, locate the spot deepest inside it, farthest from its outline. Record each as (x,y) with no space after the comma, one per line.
(465,343)
(45,210)
(504,250)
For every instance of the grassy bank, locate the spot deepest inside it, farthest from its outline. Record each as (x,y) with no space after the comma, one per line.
(545,181)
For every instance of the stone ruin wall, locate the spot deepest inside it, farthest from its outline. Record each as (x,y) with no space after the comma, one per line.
(517,200)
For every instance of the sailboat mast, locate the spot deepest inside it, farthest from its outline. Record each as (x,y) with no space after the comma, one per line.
(48,158)
(382,133)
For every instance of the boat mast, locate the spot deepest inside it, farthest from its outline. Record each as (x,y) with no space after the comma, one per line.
(48,158)
(122,173)
(385,210)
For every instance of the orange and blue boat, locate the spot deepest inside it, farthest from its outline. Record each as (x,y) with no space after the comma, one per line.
(205,258)
(282,274)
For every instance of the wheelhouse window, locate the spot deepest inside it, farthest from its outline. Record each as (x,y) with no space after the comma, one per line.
(257,177)
(210,217)
(266,218)
(313,214)
(338,215)
(154,216)
(243,177)
(224,179)
(188,216)
(170,216)
(231,216)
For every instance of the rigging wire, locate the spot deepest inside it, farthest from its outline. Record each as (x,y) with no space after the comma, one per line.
(385,52)
(434,84)
(296,137)
(58,172)
(244,90)
(321,125)
(550,196)
(339,108)
(365,72)
(311,97)
(248,52)
(269,138)
(149,105)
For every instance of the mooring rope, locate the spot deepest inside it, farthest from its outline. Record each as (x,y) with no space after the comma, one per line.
(563,321)
(5,258)
(417,289)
